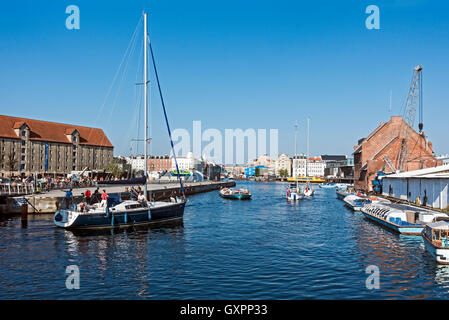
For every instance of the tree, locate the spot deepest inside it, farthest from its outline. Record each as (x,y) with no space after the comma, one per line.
(257,172)
(283,173)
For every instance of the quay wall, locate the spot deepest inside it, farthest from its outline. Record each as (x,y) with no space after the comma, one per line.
(49,202)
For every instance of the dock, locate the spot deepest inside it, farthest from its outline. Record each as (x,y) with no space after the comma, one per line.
(48,202)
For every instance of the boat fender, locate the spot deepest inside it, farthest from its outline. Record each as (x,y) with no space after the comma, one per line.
(126,217)
(112,221)
(149,215)
(107,212)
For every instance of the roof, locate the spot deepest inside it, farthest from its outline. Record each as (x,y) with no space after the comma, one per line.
(434,172)
(52,131)
(439,225)
(327,157)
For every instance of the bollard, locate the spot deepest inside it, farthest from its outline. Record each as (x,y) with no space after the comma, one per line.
(24,212)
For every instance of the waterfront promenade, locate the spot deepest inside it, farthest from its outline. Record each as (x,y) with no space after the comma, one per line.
(48,202)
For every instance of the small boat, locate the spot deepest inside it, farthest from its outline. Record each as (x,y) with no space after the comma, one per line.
(327,186)
(308,191)
(238,194)
(119,214)
(436,240)
(294,192)
(341,194)
(402,218)
(357,201)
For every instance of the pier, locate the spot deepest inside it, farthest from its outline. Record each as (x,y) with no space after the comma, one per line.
(48,202)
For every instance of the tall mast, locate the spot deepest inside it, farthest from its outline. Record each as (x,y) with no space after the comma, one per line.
(307,159)
(145,98)
(296,144)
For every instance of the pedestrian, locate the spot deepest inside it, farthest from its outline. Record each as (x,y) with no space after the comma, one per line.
(96,196)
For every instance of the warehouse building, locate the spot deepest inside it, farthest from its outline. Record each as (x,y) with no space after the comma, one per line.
(428,187)
(30,146)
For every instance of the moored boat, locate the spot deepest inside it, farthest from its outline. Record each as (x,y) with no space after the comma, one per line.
(402,218)
(327,186)
(357,201)
(436,240)
(118,215)
(235,194)
(341,194)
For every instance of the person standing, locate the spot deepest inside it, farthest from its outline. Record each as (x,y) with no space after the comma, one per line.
(68,198)
(104,198)
(88,194)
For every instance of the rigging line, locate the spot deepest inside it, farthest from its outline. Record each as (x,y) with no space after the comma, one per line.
(165,115)
(138,96)
(115,76)
(130,53)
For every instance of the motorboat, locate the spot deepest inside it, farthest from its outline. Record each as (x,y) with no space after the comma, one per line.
(235,194)
(357,201)
(436,240)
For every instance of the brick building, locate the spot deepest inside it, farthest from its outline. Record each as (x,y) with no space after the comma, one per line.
(159,163)
(30,146)
(385,142)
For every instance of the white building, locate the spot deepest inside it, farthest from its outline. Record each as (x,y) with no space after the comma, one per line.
(137,162)
(283,162)
(188,163)
(299,166)
(431,185)
(315,167)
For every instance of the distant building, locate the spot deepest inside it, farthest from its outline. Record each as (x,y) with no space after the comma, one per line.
(315,167)
(299,166)
(29,146)
(250,172)
(188,163)
(382,147)
(137,162)
(333,163)
(283,162)
(235,170)
(159,163)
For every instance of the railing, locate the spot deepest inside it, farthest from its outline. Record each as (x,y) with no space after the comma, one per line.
(11,189)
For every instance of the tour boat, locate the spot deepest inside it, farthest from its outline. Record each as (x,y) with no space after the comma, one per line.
(235,194)
(305,179)
(357,201)
(120,214)
(402,218)
(436,240)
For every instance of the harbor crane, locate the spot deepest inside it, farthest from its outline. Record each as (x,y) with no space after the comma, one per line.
(414,100)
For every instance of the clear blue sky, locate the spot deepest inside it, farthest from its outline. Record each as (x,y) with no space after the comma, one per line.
(230,64)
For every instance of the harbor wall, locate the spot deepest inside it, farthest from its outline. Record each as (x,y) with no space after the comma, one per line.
(49,203)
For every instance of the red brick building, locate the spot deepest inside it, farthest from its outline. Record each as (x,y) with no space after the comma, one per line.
(159,163)
(385,142)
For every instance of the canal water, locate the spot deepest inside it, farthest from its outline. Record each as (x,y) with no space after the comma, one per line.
(265,248)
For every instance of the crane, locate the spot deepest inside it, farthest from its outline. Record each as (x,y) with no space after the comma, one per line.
(414,99)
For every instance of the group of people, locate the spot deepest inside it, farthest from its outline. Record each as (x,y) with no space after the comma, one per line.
(88,198)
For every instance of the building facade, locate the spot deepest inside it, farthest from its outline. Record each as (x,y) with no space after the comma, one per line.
(188,163)
(382,148)
(30,146)
(283,162)
(299,166)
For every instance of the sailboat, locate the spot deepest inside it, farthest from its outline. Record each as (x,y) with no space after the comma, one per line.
(308,191)
(294,192)
(115,211)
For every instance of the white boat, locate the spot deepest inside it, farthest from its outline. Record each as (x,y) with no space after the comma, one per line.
(327,186)
(357,201)
(308,191)
(436,240)
(402,218)
(294,193)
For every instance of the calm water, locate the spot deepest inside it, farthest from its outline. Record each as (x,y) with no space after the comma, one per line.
(265,248)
